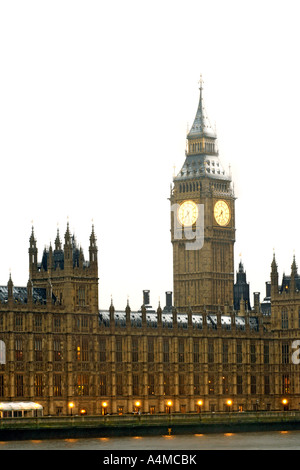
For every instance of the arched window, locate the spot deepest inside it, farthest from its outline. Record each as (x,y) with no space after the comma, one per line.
(2,352)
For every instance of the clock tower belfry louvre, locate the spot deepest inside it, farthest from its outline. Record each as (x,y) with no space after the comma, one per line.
(202,223)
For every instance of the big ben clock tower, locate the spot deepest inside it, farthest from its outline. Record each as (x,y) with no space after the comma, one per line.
(202,223)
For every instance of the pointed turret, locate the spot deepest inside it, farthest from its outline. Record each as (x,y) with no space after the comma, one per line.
(294,275)
(127,311)
(93,249)
(57,241)
(33,252)
(29,291)
(201,127)
(241,289)
(294,270)
(10,287)
(111,312)
(274,277)
(68,249)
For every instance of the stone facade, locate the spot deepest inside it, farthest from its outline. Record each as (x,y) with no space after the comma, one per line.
(198,353)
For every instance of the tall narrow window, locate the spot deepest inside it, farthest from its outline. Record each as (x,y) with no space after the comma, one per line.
(252,353)
(285,353)
(150,350)
(82,385)
(167,387)
(284,319)
(266,353)
(119,355)
(253,385)
(119,384)
(210,352)
(19,349)
(196,384)
(19,382)
(57,353)
(151,384)
(239,384)
(181,350)
(182,390)
(135,349)
(38,350)
(102,385)
(225,352)
(196,355)
(166,356)
(211,385)
(38,385)
(225,384)
(85,349)
(267,384)
(57,388)
(102,349)
(239,352)
(285,384)
(81,296)
(135,384)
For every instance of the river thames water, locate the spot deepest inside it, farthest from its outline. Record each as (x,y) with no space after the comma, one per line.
(274,440)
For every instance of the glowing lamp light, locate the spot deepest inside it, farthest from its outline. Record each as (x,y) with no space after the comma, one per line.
(104,404)
(137,404)
(71,406)
(229,402)
(200,402)
(169,403)
(284,401)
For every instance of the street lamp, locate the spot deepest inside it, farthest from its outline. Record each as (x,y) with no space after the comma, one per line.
(285,402)
(199,403)
(229,403)
(104,407)
(137,406)
(169,404)
(71,406)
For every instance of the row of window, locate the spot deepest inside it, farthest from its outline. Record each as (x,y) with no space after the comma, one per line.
(199,147)
(83,351)
(81,323)
(83,387)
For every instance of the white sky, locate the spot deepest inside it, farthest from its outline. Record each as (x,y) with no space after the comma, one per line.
(95,97)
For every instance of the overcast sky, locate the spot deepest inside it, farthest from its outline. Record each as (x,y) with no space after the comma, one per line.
(95,99)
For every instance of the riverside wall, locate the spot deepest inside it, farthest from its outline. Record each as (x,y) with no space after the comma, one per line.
(113,425)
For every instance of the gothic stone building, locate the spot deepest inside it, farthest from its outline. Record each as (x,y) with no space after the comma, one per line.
(209,351)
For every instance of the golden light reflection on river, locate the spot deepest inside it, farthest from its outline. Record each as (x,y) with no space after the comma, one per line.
(279,440)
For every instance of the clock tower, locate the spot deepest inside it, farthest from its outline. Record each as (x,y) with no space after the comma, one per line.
(202,223)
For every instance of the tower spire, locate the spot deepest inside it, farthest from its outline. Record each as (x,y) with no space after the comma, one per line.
(201,126)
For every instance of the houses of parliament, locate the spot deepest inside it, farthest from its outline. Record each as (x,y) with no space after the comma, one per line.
(208,349)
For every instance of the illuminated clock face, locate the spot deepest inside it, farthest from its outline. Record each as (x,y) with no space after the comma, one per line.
(188,213)
(222,213)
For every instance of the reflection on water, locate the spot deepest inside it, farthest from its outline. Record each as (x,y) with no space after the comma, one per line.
(280,440)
